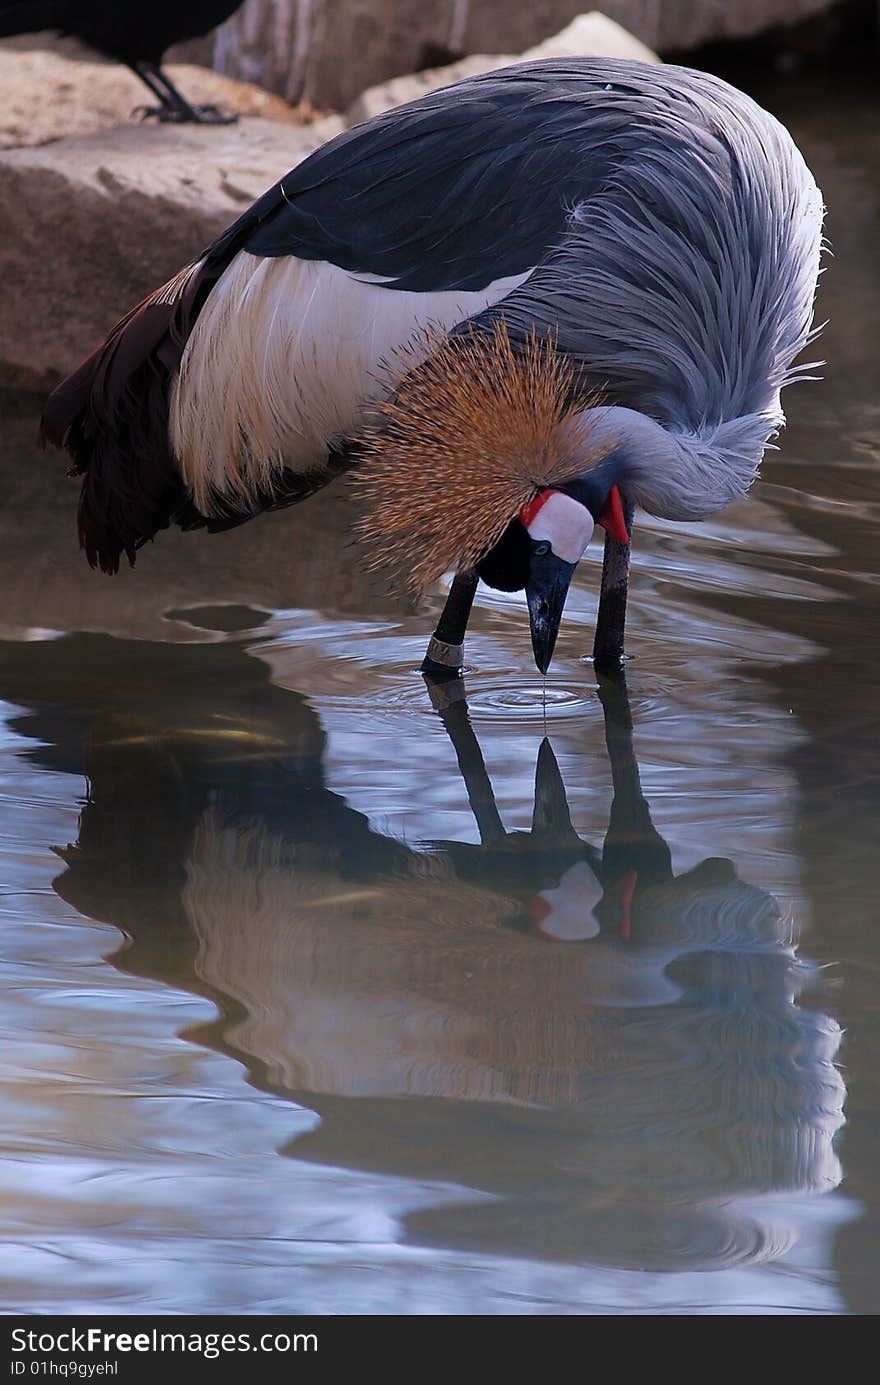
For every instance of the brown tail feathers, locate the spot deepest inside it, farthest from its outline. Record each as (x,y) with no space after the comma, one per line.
(111,415)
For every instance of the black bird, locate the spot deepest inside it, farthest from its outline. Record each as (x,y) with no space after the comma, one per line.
(134,32)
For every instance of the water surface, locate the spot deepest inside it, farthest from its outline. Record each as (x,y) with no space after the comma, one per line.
(325,994)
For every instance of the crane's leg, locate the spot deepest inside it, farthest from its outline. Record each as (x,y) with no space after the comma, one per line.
(173,105)
(445,654)
(611,619)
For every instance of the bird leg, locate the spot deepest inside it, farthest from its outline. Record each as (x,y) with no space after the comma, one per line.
(445,654)
(611,618)
(173,105)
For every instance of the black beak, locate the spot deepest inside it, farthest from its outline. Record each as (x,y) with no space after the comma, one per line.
(546,590)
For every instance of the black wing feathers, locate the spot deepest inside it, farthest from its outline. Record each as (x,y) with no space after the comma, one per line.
(461,188)
(112,417)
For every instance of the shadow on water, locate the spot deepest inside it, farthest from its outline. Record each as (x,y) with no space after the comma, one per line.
(613,1052)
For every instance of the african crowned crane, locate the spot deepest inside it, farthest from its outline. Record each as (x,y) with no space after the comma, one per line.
(520,305)
(134,32)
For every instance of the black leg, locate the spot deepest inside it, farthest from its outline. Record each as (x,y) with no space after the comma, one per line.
(149,76)
(173,105)
(611,619)
(445,654)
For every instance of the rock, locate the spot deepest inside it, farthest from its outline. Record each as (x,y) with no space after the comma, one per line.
(593,35)
(89,225)
(327,51)
(670,25)
(50,93)
(399,90)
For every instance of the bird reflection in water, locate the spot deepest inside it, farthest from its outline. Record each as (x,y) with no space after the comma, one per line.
(613,1053)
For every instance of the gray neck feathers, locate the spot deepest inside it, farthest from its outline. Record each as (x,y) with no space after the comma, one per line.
(679,475)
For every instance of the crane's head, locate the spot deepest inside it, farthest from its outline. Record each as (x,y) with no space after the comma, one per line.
(542,546)
(560,524)
(482,458)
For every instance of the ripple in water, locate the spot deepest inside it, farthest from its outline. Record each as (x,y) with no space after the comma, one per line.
(528,703)
(499,698)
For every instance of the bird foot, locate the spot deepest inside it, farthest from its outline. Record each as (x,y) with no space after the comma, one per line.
(186,115)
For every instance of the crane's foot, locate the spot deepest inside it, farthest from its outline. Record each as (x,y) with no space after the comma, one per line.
(186,115)
(173,107)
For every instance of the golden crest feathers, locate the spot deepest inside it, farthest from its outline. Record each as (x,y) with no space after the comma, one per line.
(467,436)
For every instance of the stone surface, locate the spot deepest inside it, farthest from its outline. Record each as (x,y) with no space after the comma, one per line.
(327,51)
(62,90)
(89,225)
(593,35)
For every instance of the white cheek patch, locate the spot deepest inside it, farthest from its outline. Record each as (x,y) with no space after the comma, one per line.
(565,524)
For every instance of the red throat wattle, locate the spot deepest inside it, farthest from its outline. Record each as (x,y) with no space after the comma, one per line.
(612,518)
